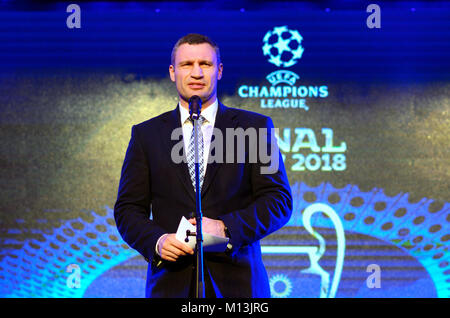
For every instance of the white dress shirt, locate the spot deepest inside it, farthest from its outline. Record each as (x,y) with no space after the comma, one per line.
(207,130)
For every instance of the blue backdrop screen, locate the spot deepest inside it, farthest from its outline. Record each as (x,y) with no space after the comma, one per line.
(360,97)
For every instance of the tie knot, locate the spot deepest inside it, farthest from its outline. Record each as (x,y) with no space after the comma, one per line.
(201,120)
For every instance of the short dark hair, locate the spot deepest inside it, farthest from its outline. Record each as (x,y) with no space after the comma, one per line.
(194,38)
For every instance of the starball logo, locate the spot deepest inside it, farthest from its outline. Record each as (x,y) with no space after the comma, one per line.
(283,48)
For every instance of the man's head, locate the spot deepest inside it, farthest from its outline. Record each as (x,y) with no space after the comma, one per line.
(196,68)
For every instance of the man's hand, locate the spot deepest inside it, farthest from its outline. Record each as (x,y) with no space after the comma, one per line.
(211,226)
(170,249)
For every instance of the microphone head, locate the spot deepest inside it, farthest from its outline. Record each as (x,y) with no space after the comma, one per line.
(195,106)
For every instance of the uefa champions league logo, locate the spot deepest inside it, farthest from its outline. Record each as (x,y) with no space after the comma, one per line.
(283,46)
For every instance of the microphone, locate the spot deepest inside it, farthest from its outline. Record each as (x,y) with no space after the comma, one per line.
(195,107)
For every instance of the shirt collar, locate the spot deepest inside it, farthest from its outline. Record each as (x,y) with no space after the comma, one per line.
(209,113)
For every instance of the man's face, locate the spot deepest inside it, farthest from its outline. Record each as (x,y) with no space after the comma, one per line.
(196,72)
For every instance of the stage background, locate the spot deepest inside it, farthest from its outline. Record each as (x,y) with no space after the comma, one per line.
(367,135)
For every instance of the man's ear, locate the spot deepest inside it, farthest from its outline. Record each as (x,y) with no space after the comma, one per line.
(172,73)
(219,73)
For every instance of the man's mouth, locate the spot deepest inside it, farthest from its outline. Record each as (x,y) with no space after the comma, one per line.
(196,85)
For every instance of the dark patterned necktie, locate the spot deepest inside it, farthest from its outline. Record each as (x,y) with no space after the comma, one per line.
(191,152)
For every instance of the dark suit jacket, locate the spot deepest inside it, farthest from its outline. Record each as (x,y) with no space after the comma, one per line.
(252,205)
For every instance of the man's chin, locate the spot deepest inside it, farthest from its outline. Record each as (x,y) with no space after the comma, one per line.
(199,92)
(203,96)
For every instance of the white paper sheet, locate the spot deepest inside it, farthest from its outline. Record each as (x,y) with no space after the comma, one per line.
(211,243)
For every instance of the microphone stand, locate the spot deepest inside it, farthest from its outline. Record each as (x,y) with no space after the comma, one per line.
(200,290)
(195,101)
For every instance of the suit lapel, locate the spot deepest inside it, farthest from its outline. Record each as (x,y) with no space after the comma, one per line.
(173,122)
(224,119)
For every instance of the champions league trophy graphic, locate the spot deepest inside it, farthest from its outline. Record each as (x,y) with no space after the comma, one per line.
(315,253)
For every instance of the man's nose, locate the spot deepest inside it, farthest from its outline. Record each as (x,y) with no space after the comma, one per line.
(197,71)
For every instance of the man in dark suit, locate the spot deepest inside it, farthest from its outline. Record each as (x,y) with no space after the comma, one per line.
(239,200)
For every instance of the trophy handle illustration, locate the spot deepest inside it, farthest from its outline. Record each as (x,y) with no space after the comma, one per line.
(316,253)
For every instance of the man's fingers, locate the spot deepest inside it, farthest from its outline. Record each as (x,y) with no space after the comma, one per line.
(172,249)
(168,256)
(169,253)
(186,249)
(211,226)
